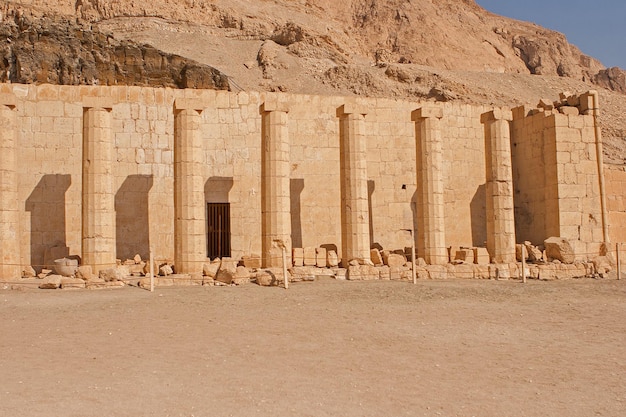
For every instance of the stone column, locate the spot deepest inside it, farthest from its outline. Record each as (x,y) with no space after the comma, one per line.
(431,236)
(355,237)
(500,213)
(98,209)
(189,202)
(9,209)
(275,174)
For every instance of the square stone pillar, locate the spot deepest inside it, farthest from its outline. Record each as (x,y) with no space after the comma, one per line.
(431,233)
(9,209)
(355,237)
(499,189)
(189,202)
(275,174)
(98,208)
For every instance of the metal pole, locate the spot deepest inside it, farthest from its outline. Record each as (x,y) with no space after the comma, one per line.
(413,263)
(151,272)
(524,264)
(619,265)
(284,250)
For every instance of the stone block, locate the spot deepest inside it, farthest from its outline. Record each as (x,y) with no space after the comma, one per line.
(310,257)
(362,272)
(29,272)
(298,256)
(534,254)
(560,249)
(332,259)
(481,256)
(376,257)
(227,271)
(464,255)
(251,261)
(437,271)
(51,282)
(111,274)
(69,283)
(210,269)
(395,260)
(320,257)
(85,273)
(569,111)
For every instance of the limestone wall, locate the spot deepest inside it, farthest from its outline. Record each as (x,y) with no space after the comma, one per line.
(49,126)
(615,184)
(556,177)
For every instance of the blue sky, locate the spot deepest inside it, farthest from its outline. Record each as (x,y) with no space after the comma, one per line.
(597,27)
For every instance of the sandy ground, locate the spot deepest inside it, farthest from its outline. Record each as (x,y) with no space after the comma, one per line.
(329,348)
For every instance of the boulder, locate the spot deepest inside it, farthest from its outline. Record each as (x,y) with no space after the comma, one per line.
(534,254)
(395,260)
(560,249)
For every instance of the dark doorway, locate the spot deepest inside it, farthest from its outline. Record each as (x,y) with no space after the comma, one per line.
(218,230)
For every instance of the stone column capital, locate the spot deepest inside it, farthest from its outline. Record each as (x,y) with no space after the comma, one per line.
(497,114)
(104,103)
(351,108)
(426,112)
(181,104)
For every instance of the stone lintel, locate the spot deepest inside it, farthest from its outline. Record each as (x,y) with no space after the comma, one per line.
(274,105)
(189,104)
(426,112)
(351,108)
(98,102)
(8,100)
(496,114)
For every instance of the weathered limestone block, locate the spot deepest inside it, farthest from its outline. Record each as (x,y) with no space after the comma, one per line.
(481,256)
(383,272)
(465,255)
(560,249)
(111,274)
(395,260)
(320,257)
(376,256)
(602,265)
(464,271)
(29,272)
(242,276)
(70,283)
(166,270)
(534,254)
(396,272)
(481,271)
(362,272)
(310,257)
(332,260)
(298,256)
(548,272)
(521,252)
(51,282)
(251,261)
(437,271)
(227,271)
(210,269)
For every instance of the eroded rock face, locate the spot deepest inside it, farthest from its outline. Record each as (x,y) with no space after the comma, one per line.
(59,51)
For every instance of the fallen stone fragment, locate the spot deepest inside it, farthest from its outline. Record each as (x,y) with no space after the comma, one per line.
(560,249)
(51,282)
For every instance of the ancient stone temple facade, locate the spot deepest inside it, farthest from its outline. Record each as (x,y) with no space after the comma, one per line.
(105,173)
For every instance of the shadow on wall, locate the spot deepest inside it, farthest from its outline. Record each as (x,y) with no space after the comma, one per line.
(478,210)
(46,205)
(132,230)
(296,186)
